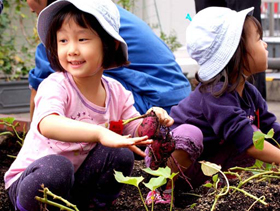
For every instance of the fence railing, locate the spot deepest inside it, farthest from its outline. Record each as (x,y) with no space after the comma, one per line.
(270,15)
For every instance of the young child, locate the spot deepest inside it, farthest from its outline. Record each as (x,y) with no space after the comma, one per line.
(160,81)
(229,48)
(68,148)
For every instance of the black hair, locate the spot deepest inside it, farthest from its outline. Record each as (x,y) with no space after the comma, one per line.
(112,57)
(50,1)
(232,74)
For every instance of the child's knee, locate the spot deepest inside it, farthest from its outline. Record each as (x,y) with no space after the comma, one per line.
(190,139)
(124,160)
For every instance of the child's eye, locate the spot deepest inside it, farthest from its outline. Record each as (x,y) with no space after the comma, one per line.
(63,41)
(83,39)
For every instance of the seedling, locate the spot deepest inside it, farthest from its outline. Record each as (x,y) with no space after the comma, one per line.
(259,137)
(10,123)
(211,169)
(45,201)
(162,175)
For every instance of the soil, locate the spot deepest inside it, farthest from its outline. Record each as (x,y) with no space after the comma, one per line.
(199,199)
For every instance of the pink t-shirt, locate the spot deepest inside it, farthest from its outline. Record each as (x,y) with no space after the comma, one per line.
(59,94)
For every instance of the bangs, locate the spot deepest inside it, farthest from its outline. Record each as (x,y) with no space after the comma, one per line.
(257,24)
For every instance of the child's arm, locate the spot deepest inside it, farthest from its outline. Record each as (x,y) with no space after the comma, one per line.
(269,154)
(64,129)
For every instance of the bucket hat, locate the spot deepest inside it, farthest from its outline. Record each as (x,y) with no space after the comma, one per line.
(105,11)
(213,37)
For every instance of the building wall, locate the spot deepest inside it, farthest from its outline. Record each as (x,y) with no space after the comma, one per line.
(169,14)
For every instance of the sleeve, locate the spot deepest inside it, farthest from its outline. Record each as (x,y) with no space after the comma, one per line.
(267,119)
(228,120)
(42,67)
(50,98)
(126,108)
(153,76)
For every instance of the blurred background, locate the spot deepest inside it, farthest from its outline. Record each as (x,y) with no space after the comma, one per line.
(167,18)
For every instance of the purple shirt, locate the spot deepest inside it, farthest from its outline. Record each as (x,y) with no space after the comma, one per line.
(227,118)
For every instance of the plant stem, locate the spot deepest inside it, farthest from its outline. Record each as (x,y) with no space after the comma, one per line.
(215,202)
(276,142)
(141,196)
(6,133)
(256,176)
(12,156)
(221,193)
(262,197)
(192,194)
(172,191)
(248,194)
(134,118)
(14,129)
(46,201)
(245,169)
(180,169)
(233,173)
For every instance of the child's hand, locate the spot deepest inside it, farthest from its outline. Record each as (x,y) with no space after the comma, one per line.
(162,115)
(112,139)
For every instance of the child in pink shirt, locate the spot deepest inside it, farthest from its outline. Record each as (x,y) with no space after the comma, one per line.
(68,148)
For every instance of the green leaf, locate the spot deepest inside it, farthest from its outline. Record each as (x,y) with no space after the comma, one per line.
(208,185)
(270,133)
(164,172)
(258,164)
(268,166)
(127,180)
(9,120)
(193,205)
(155,183)
(173,175)
(215,178)
(258,140)
(209,169)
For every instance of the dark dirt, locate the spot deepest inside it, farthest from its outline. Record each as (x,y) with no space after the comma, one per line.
(129,199)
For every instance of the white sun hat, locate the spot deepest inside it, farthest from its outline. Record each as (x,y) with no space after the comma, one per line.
(105,11)
(213,37)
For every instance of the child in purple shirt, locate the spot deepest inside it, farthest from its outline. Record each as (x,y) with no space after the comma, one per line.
(224,105)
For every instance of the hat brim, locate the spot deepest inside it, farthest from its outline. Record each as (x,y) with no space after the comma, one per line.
(47,14)
(222,56)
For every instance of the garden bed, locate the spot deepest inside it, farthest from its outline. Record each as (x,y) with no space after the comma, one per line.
(200,199)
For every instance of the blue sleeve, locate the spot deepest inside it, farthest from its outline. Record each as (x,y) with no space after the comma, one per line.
(228,120)
(153,76)
(42,67)
(1,6)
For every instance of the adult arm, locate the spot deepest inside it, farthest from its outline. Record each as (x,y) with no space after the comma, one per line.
(153,76)
(32,104)
(41,71)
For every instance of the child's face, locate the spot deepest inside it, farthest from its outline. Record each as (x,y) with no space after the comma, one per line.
(256,47)
(80,50)
(37,5)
